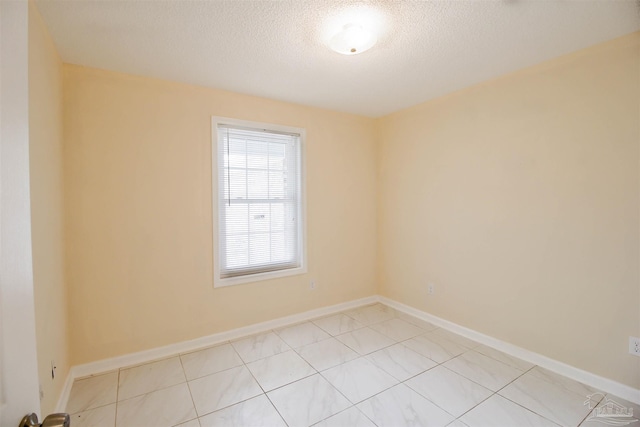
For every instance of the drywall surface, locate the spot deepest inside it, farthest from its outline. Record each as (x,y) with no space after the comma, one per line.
(139,220)
(47,220)
(518,200)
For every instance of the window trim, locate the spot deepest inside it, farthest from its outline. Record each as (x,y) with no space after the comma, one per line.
(219,282)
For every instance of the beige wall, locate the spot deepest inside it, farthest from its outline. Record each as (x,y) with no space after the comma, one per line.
(45,157)
(518,199)
(138,212)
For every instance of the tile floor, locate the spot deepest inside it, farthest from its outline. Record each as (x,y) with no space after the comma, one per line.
(367,367)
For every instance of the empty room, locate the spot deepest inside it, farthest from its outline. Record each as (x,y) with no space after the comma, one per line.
(319,213)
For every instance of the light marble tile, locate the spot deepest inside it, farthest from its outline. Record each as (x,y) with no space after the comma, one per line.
(397,329)
(104,416)
(351,417)
(562,381)
(255,412)
(307,401)
(365,340)
(427,326)
(338,324)
(435,347)
(162,408)
(209,361)
(552,401)
(457,423)
(458,339)
(280,369)
(327,354)
(92,392)
(300,335)
(223,389)
(483,370)
(401,406)
(192,423)
(259,346)
(371,314)
(514,362)
(382,307)
(150,377)
(400,361)
(450,391)
(593,420)
(500,412)
(359,379)
(379,307)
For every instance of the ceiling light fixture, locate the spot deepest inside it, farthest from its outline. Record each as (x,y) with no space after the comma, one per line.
(352,39)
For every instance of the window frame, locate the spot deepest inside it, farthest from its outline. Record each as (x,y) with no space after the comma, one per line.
(217,190)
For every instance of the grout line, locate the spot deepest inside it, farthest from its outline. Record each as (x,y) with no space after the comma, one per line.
(469,379)
(528,409)
(591,410)
(203,348)
(193,402)
(493,393)
(264,393)
(163,387)
(335,388)
(277,410)
(259,385)
(229,406)
(420,394)
(366,416)
(522,406)
(236,403)
(115,421)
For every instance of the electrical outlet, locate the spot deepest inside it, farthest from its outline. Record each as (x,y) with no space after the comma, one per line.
(634,346)
(431,289)
(312,284)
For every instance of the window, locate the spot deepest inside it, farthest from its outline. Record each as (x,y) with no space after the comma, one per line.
(259,194)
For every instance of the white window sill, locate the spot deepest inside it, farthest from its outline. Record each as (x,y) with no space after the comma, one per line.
(219,283)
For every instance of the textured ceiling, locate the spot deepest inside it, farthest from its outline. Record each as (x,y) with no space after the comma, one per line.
(277,49)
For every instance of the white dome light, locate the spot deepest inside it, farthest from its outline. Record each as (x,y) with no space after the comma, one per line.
(353,39)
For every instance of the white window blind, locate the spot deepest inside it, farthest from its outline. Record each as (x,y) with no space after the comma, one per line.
(259,201)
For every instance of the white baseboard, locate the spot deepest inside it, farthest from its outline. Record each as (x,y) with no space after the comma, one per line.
(132,359)
(604,384)
(66,391)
